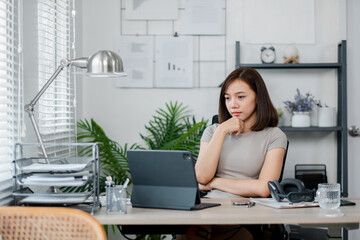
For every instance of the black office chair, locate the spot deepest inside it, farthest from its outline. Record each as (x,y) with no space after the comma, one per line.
(215,119)
(284,161)
(311,174)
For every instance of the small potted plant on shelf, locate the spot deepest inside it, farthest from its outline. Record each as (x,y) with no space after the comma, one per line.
(326,115)
(300,108)
(280,113)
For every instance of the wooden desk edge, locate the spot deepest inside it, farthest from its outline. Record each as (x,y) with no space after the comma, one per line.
(226,214)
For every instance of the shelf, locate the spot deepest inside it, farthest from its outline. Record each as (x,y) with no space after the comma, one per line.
(311,129)
(341,130)
(291,65)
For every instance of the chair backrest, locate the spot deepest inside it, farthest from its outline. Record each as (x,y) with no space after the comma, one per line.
(284,161)
(311,174)
(40,223)
(215,119)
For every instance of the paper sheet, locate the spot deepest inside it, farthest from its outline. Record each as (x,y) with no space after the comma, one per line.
(282,21)
(151,9)
(174,62)
(137,55)
(204,17)
(54,181)
(40,167)
(54,199)
(270,202)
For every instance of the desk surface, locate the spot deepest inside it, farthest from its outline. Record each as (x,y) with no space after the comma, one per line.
(228,214)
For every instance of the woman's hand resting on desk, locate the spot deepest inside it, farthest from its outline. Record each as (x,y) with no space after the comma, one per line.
(205,188)
(233,126)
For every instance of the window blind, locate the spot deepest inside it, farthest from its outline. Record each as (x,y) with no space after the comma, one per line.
(57,121)
(10,94)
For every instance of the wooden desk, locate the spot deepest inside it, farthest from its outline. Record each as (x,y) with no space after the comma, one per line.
(227,214)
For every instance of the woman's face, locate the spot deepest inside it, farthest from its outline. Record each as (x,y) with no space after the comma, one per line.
(240,100)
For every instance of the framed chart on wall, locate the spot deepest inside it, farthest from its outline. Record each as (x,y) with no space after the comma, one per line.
(137,53)
(296,18)
(204,17)
(173,62)
(151,9)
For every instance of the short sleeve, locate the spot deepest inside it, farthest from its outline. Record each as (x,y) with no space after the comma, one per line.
(278,139)
(209,132)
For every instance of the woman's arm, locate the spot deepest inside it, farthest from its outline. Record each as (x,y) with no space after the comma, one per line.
(271,170)
(209,154)
(206,164)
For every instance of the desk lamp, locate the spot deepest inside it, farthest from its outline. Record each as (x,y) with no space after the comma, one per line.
(100,64)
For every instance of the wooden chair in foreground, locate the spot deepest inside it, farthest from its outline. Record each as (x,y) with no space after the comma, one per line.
(55,223)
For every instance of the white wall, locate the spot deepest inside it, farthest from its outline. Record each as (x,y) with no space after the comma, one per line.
(353,59)
(124,112)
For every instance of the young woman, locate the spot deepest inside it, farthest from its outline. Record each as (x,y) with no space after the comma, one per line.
(245,150)
(242,153)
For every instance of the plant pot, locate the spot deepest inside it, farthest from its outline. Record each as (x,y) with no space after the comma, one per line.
(287,118)
(314,116)
(300,119)
(327,117)
(281,122)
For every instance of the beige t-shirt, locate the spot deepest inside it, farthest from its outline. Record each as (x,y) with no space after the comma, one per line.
(242,156)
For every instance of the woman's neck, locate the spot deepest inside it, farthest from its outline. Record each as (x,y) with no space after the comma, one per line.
(249,122)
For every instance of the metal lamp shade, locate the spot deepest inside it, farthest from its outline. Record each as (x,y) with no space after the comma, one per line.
(105,64)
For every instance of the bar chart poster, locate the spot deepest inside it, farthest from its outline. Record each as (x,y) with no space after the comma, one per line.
(151,9)
(137,53)
(174,62)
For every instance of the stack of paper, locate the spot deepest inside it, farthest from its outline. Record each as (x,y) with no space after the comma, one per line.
(41,167)
(54,180)
(270,202)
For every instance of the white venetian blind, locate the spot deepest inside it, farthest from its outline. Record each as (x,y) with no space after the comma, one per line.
(56,107)
(10,88)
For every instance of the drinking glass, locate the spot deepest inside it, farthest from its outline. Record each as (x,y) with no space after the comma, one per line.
(328,195)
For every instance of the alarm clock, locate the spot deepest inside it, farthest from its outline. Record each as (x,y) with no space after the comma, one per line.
(267,54)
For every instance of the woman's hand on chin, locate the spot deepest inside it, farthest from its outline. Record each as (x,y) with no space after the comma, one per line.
(234,126)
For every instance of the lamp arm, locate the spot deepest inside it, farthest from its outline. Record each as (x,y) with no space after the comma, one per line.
(38,135)
(29,108)
(79,62)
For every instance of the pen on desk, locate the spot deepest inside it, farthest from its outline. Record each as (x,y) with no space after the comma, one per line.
(126,183)
(248,204)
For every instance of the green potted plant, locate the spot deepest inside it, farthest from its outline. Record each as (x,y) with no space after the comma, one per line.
(280,113)
(172,128)
(113,160)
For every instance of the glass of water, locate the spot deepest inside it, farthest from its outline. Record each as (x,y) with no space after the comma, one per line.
(328,195)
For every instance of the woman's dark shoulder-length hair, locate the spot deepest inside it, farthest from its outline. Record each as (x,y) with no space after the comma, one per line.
(265,111)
